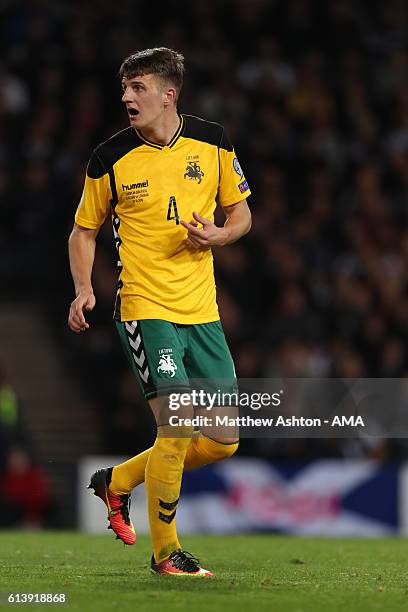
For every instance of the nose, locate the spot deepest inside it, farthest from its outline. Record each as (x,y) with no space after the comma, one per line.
(127,95)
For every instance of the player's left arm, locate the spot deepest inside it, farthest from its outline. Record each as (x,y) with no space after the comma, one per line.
(237,224)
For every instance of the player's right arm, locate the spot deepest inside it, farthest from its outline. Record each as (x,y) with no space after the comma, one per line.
(91,213)
(81,247)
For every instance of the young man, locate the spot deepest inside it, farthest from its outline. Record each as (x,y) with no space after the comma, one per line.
(161,179)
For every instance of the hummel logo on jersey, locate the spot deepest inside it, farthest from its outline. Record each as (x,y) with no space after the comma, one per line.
(193,172)
(167,365)
(135,185)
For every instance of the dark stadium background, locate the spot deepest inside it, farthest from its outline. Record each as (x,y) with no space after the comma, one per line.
(314,96)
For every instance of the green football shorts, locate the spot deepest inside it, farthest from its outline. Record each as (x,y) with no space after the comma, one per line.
(165,356)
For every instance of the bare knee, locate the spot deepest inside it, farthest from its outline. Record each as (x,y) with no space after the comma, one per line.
(225,440)
(221,448)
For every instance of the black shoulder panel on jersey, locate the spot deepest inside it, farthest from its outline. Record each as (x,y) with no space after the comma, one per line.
(225,143)
(109,152)
(95,167)
(205,131)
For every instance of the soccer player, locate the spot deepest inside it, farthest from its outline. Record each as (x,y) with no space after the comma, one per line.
(160,179)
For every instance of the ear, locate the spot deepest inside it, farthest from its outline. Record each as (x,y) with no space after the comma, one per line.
(170,96)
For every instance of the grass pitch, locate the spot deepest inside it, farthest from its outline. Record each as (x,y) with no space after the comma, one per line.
(264,572)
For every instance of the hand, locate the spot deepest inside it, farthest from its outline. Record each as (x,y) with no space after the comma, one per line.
(210,235)
(83,302)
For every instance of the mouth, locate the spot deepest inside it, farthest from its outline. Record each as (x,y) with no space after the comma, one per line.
(132,112)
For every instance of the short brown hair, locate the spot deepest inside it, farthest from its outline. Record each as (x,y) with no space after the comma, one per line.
(161,61)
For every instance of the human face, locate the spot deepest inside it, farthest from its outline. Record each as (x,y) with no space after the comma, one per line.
(145,98)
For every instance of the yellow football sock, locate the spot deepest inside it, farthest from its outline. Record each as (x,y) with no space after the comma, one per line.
(164,470)
(201,451)
(127,475)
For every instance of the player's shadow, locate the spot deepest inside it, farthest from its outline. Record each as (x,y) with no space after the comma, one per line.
(150,583)
(182,583)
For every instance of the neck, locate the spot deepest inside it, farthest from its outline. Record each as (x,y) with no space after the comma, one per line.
(163,129)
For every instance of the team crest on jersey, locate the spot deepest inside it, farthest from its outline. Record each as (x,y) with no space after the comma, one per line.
(166,363)
(193,172)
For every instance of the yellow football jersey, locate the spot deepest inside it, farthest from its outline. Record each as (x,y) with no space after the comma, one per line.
(147,189)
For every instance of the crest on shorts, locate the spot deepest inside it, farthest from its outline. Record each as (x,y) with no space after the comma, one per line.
(167,365)
(193,172)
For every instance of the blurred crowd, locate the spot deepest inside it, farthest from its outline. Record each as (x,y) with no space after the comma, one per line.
(25,499)
(314,96)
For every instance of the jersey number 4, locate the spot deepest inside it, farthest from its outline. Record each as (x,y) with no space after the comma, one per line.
(173,209)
